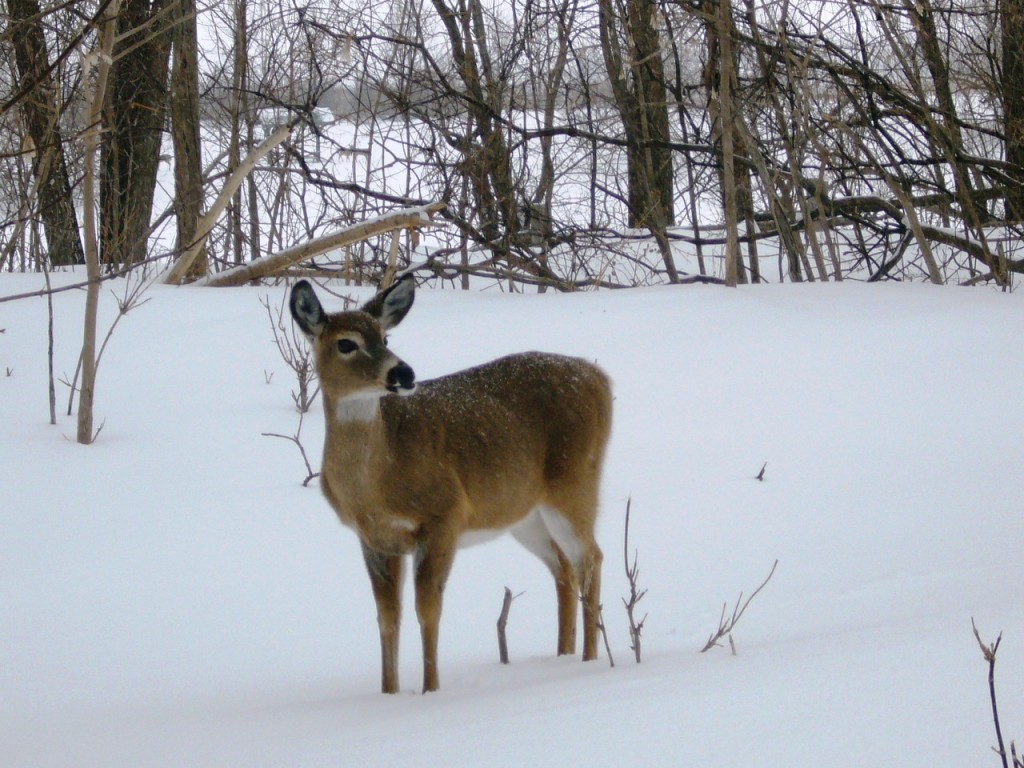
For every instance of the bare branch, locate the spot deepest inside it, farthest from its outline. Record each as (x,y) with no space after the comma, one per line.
(726,625)
(989,652)
(296,355)
(50,291)
(604,635)
(635,595)
(310,474)
(205,225)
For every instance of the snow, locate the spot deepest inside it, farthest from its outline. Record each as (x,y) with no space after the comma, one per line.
(173,596)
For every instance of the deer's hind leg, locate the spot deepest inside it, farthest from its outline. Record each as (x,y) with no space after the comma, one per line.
(533,534)
(567,590)
(571,527)
(590,581)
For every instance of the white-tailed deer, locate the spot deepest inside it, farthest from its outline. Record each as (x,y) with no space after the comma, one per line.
(513,445)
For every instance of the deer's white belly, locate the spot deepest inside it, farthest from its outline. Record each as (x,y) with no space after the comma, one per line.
(542,526)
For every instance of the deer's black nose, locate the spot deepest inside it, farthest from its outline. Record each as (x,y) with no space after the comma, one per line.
(401,377)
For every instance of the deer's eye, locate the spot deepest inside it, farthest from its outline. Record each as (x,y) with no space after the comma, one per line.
(347,346)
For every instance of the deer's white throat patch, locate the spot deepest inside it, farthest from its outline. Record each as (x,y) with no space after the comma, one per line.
(359,407)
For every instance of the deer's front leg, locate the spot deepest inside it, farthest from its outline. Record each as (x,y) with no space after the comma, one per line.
(386,579)
(433,564)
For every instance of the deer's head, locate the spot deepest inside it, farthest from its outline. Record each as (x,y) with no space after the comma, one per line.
(350,348)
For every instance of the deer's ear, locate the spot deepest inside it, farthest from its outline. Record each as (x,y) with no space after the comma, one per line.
(390,306)
(306,309)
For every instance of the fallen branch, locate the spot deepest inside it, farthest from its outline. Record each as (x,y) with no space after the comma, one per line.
(726,625)
(406,218)
(204,226)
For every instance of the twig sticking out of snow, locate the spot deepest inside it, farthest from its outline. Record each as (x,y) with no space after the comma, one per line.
(604,635)
(635,595)
(989,652)
(726,625)
(506,605)
(296,355)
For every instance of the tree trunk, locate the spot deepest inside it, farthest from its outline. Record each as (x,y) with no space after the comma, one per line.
(720,88)
(681,102)
(631,45)
(651,187)
(136,106)
(188,167)
(949,135)
(41,108)
(485,154)
(239,107)
(1011,20)
(540,212)
(86,435)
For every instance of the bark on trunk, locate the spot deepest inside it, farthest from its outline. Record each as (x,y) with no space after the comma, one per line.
(631,46)
(136,106)
(188,167)
(949,135)
(485,154)
(720,85)
(41,108)
(1012,27)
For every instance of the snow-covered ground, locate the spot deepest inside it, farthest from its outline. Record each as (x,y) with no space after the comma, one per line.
(173,596)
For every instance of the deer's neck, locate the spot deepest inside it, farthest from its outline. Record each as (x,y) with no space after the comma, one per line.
(355,432)
(356,459)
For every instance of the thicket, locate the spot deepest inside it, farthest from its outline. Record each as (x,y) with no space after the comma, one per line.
(573,142)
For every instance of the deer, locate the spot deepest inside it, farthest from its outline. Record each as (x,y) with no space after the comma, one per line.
(423,468)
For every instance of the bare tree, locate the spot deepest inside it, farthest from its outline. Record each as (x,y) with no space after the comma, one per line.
(42,105)
(877,144)
(136,106)
(631,43)
(721,84)
(86,435)
(1011,18)
(502,624)
(296,439)
(185,116)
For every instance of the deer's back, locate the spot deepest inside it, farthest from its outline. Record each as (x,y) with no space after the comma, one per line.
(505,431)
